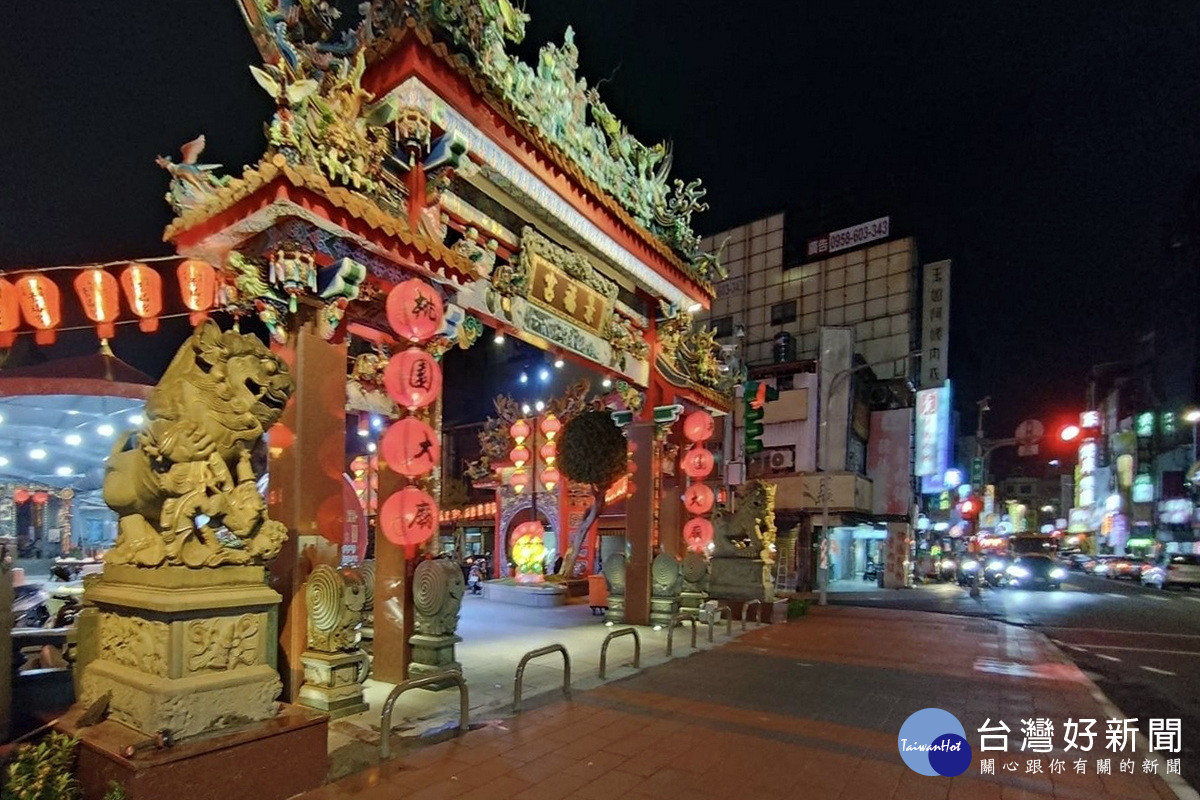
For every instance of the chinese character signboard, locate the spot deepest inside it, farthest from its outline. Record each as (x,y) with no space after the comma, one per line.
(552,289)
(935,324)
(847,238)
(888,460)
(933,433)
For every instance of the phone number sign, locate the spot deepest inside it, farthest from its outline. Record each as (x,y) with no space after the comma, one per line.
(847,238)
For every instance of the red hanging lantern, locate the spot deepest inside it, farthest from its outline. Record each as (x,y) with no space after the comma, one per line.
(519,456)
(143,292)
(41,306)
(413,378)
(519,480)
(10,313)
(698,462)
(551,477)
(519,431)
(198,288)
(550,426)
(548,452)
(699,498)
(21,495)
(697,534)
(698,426)
(409,516)
(410,447)
(41,498)
(414,310)
(100,297)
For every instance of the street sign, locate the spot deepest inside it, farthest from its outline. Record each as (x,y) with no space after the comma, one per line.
(1029,432)
(1027,450)
(977,472)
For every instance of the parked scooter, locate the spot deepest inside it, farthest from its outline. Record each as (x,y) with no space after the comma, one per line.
(29,606)
(871,573)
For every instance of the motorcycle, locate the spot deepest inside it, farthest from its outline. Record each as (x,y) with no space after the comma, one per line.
(871,573)
(29,606)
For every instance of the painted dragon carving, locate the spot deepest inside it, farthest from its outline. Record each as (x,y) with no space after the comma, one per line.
(183,486)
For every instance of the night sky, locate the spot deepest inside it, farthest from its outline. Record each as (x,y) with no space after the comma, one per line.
(1047,148)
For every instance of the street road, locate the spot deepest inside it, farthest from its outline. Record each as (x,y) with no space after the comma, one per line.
(1141,646)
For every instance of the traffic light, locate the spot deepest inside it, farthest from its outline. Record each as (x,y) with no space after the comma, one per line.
(755,395)
(970,508)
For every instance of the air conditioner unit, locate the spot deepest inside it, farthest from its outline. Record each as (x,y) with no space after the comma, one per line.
(782,459)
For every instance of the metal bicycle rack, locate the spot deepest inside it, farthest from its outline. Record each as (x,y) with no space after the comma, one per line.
(385,723)
(746,610)
(637,647)
(680,618)
(541,651)
(728,621)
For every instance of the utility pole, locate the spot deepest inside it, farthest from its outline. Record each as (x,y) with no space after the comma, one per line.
(974,526)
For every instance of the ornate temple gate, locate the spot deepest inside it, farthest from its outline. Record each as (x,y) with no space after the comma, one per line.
(409,143)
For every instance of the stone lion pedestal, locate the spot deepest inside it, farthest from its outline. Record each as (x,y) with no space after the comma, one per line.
(695,582)
(666,582)
(438,589)
(614,578)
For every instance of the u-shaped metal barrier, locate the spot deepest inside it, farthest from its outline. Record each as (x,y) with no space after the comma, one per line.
(541,651)
(678,618)
(385,722)
(637,647)
(746,611)
(728,621)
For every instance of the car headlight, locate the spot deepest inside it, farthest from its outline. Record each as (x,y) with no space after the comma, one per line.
(1058,572)
(969,565)
(1017,572)
(947,564)
(995,566)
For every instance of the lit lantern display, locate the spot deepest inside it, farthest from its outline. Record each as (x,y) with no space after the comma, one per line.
(698,426)
(413,378)
(41,306)
(409,517)
(10,313)
(519,456)
(698,462)
(519,431)
(549,453)
(550,426)
(197,288)
(697,534)
(698,498)
(519,480)
(99,295)
(410,447)
(21,495)
(528,550)
(143,292)
(41,498)
(551,477)
(414,310)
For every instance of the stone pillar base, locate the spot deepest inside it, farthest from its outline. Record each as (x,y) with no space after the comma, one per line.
(333,682)
(432,654)
(662,609)
(691,601)
(182,650)
(741,579)
(616,608)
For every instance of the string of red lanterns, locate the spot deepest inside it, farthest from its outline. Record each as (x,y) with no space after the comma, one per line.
(698,498)
(413,379)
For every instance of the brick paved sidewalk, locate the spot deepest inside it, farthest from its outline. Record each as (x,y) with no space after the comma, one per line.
(809,709)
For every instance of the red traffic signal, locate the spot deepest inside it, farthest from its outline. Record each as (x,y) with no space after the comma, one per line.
(970,508)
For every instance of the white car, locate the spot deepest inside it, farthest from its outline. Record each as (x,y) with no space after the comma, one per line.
(1180,569)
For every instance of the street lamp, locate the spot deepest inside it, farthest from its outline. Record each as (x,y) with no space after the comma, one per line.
(1193,416)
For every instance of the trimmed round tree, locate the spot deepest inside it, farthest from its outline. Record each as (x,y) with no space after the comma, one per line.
(591,451)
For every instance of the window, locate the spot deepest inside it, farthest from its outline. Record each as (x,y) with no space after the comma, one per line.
(783,313)
(723,327)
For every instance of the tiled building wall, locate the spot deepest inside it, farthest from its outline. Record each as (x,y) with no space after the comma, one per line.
(871,289)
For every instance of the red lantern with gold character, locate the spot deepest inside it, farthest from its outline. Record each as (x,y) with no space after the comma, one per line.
(408,517)
(413,378)
(410,447)
(100,297)
(697,534)
(698,426)
(698,498)
(698,462)
(414,310)
(41,305)
(10,313)
(197,288)
(143,292)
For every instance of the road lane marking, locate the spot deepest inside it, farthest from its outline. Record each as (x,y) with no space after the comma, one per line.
(1108,630)
(1142,650)
(1157,597)
(1119,595)
(1158,671)
(1106,658)
(1193,598)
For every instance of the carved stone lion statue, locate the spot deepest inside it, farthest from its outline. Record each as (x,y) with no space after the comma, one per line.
(748,532)
(183,486)
(335,607)
(438,589)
